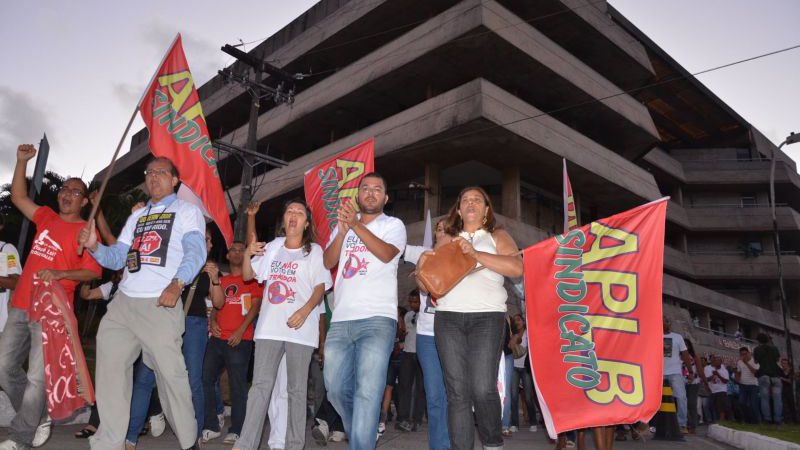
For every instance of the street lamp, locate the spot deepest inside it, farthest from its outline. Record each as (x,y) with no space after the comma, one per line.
(791,139)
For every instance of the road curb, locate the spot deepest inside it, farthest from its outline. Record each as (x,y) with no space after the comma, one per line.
(747,440)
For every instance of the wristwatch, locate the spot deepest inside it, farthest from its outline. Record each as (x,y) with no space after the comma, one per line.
(180,282)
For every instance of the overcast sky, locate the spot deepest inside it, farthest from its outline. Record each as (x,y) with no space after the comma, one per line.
(76,70)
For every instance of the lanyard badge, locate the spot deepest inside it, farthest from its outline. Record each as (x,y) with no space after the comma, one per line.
(133,261)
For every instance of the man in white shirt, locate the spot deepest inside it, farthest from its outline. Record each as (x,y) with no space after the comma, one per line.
(748,386)
(367,248)
(10,268)
(717,379)
(676,353)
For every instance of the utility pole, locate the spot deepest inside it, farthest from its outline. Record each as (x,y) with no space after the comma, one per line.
(258,91)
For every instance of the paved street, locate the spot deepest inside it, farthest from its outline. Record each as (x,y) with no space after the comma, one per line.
(392,440)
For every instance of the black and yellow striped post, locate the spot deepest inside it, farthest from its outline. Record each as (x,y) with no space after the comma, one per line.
(666,419)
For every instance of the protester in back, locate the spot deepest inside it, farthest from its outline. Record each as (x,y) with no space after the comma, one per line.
(748,386)
(717,378)
(767,356)
(676,354)
(787,376)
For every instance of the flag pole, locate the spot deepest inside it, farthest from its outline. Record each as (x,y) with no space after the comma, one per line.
(110,170)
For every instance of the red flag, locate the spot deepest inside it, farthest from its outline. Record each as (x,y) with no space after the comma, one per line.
(67,382)
(570,215)
(594,299)
(172,113)
(337,178)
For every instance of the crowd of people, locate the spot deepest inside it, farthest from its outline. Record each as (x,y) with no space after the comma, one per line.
(295,310)
(756,388)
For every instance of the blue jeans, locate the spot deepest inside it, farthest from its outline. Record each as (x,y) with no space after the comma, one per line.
(764,383)
(678,385)
(509,362)
(220,355)
(435,394)
(194,347)
(748,399)
(470,345)
(356,359)
(524,375)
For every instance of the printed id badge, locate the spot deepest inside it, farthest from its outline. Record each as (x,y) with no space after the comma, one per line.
(132,261)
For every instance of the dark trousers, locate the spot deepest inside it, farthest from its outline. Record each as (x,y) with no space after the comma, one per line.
(469,346)
(692,392)
(220,355)
(750,403)
(525,376)
(721,405)
(328,413)
(410,389)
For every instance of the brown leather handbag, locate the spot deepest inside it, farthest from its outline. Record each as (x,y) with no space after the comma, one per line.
(444,269)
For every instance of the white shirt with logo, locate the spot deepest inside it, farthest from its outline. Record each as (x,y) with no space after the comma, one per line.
(289,277)
(161,247)
(365,286)
(9,265)
(427,309)
(673,346)
(715,383)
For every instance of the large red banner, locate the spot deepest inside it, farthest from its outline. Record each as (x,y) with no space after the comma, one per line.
(594,311)
(172,112)
(333,180)
(67,382)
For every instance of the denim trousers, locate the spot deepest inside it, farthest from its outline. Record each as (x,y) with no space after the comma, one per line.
(435,393)
(410,389)
(748,399)
(20,340)
(469,346)
(508,360)
(356,360)
(524,375)
(195,339)
(219,356)
(764,383)
(678,384)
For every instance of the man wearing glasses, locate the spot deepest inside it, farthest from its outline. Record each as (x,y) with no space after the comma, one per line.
(162,248)
(53,257)
(366,246)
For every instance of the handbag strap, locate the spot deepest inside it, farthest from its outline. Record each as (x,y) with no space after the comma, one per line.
(190,296)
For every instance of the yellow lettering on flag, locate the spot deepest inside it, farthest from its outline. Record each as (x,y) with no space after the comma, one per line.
(617,371)
(607,279)
(629,243)
(185,83)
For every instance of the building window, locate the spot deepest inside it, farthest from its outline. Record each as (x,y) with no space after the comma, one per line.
(748,201)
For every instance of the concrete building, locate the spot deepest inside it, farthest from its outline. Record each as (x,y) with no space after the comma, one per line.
(496,93)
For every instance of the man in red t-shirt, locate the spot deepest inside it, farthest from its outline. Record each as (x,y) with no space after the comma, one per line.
(236,305)
(53,257)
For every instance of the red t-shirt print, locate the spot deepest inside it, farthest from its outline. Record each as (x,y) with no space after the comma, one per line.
(55,247)
(238,295)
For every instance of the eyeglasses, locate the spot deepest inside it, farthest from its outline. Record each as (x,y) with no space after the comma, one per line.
(74,192)
(157,172)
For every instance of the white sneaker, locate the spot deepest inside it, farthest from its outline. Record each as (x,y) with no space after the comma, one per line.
(11,445)
(208,435)
(513,429)
(381,427)
(43,432)
(221,420)
(230,438)
(129,445)
(338,436)
(158,424)
(320,432)
(533,429)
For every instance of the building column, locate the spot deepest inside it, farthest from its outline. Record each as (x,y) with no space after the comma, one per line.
(433,191)
(512,207)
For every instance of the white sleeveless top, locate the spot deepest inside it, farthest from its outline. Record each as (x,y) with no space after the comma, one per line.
(482,291)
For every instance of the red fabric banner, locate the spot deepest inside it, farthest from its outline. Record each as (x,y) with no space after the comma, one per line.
(333,180)
(594,308)
(172,112)
(67,381)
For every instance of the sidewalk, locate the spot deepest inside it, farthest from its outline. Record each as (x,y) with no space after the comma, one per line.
(62,439)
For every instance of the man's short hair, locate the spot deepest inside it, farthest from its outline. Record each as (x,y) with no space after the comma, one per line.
(172,168)
(744,349)
(374,175)
(83,184)
(762,338)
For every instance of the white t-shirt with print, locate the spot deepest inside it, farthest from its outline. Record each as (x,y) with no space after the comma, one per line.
(289,277)
(427,309)
(746,377)
(9,265)
(161,233)
(673,346)
(715,383)
(365,286)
